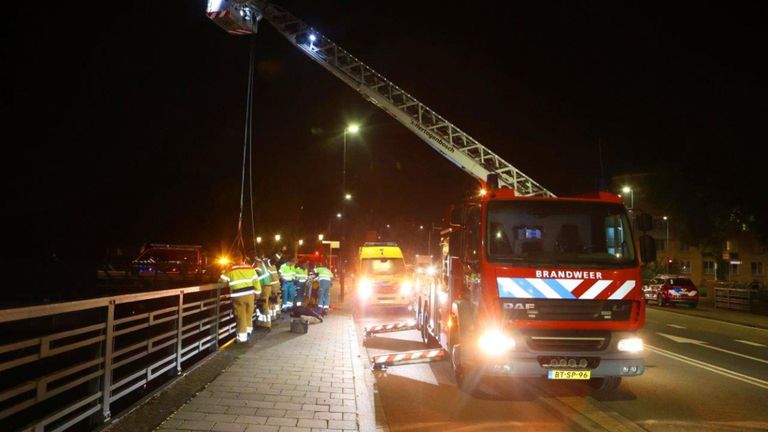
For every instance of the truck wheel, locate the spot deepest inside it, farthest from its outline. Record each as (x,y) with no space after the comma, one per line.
(418,315)
(467,379)
(606,384)
(425,336)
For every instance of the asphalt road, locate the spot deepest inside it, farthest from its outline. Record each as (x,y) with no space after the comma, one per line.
(702,375)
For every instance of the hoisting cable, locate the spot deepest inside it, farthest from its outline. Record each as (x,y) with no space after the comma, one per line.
(247,145)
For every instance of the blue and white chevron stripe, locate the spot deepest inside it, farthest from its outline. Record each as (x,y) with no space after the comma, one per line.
(533,288)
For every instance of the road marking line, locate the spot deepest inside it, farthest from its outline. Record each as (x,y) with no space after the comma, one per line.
(709,319)
(749,343)
(736,354)
(680,339)
(710,367)
(676,326)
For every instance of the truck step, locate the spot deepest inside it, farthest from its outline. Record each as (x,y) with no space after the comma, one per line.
(383,361)
(389,328)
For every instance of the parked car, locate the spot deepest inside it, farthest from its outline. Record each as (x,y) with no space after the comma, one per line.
(648,293)
(673,290)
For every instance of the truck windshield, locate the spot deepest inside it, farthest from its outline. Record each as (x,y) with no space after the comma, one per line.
(559,232)
(382,266)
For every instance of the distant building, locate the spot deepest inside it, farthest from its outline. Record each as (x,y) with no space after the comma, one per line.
(746,259)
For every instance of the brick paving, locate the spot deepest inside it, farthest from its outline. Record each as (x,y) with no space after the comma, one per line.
(286,382)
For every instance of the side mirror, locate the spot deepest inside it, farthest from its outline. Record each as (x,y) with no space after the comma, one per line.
(647,248)
(643,222)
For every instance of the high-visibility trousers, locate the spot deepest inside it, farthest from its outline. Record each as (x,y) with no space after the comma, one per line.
(264,303)
(243,309)
(276,293)
(265,299)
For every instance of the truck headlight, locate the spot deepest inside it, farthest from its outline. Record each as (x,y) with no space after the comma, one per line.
(631,345)
(405,288)
(364,288)
(493,342)
(431,271)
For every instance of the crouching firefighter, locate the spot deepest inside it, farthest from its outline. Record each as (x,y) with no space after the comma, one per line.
(243,285)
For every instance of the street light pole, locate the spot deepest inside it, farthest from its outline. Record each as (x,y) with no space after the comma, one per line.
(352,128)
(666,242)
(631,192)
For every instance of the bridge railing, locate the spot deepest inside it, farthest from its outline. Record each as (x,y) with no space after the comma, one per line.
(73,365)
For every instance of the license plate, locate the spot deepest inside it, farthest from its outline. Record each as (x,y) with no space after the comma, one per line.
(568,375)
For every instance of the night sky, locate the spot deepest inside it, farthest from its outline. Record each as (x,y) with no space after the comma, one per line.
(126,125)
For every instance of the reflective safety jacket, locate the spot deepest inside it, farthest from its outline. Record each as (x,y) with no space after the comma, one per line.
(264,277)
(287,272)
(323,273)
(301,275)
(275,275)
(242,280)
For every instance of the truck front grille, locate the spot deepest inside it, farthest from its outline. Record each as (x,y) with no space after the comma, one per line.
(568,342)
(566,310)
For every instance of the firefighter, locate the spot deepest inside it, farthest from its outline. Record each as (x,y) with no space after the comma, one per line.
(288,276)
(324,276)
(243,285)
(301,282)
(276,298)
(264,303)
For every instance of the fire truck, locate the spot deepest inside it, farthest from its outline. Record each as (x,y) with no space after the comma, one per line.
(529,284)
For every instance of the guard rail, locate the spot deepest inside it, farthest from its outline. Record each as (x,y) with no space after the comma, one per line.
(73,365)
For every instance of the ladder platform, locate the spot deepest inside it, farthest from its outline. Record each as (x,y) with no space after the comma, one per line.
(383,361)
(389,328)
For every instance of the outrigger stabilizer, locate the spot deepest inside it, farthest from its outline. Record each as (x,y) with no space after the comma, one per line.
(383,361)
(390,328)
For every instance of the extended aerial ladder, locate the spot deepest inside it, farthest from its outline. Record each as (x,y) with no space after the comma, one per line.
(240,17)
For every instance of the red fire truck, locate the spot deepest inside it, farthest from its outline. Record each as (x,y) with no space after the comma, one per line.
(538,287)
(529,284)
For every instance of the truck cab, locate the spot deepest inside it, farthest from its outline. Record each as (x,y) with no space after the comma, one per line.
(382,277)
(538,287)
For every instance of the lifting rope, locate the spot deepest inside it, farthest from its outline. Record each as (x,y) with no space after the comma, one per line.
(239,244)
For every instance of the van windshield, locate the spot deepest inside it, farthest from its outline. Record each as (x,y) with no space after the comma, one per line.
(382,266)
(559,232)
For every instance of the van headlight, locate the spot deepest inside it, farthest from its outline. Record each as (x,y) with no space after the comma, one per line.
(405,288)
(364,288)
(631,345)
(493,342)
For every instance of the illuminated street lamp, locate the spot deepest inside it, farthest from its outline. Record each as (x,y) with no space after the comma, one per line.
(338,215)
(258,239)
(320,237)
(277,237)
(348,197)
(628,190)
(301,242)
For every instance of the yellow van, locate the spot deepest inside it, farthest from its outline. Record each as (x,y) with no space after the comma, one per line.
(382,276)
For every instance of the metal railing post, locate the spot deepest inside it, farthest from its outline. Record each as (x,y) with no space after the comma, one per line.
(106,391)
(179,326)
(218,318)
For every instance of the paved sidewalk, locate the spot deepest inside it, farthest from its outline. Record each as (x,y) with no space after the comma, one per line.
(287,382)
